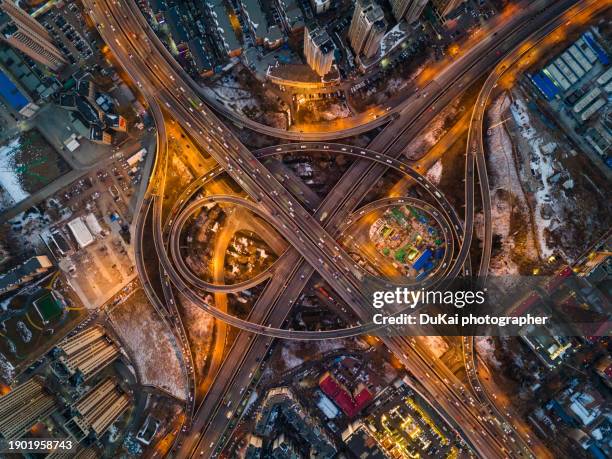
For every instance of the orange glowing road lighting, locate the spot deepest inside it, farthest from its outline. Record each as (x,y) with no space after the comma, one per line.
(453,50)
(509,11)
(37,428)
(507,81)
(477,34)
(525,47)
(4,389)
(426,76)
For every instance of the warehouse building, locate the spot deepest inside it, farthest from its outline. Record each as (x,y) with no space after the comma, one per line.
(23,407)
(80,232)
(87,352)
(567,72)
(95,412)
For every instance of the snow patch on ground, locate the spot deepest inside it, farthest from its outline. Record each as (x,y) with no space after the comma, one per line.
(503,172)
(542,163)
(330,345)
(7,370)
(436,345)
(9,178)
(503,176)
(199,322)
(226,92)
(24,332)
(336,111)
(397,84)
(181,169)
(289,359)
(501,212)
(393,38)
(5,303)
(151,345)
(294,353)
(27,226)
(430,136)
(251,401)
(435,173)
(199,325)
(486,349)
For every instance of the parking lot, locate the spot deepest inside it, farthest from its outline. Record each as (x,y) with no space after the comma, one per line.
(66,27)
(99,270)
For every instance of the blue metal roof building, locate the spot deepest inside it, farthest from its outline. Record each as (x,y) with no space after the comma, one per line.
(545,85)
(422,260)
(601,54)
(11,94)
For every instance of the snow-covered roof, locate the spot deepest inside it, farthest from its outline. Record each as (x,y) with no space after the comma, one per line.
(80,232)
(92,224)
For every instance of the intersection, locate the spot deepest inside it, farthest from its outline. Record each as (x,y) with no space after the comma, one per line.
(311,237)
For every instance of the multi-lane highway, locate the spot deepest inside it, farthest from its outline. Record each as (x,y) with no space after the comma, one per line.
(238,385)
(311,246)
(295,223)
(475,143)
(310,237)
(167,309)
(186,282)
(345,290)
(238,380)
(356,126)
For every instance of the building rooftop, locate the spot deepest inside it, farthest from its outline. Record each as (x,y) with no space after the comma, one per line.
(257,17)
(87,111)
(200,56)
(27,268)
(296,417)
(342,397)
(373,12)
(4,18)
(321,39)
(224,24)
(293,13)
(11,94)
(158,5)
(178,31)
(360,442)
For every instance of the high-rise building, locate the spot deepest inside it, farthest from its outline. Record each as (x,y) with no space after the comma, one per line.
(97,410)
(23,407)
(410,10)
(283,448)
(320,6)
(444,7)
(280,403)
(253,450)
(318,49)
(87,352)
(372,44)
(366,14)
(360,441)
(24,32)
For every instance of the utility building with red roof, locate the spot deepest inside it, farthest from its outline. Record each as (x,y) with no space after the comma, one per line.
(350,404)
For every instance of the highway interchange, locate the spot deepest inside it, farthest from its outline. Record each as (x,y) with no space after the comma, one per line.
(312,236)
